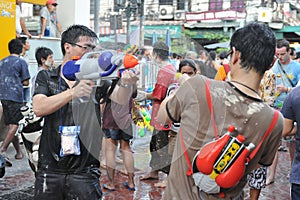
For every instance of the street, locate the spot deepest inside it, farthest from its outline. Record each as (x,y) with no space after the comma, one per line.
(17,184)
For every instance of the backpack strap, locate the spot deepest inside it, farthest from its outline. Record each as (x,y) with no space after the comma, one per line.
(269,130)
(210,106)
(189,172)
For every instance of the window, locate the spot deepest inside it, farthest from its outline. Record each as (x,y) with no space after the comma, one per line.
(237,5)
(215,5)
(166,2)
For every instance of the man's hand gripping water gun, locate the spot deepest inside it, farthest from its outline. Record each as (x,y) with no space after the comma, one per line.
(96,66)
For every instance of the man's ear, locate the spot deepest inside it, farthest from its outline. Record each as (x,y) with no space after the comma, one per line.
(43,60)
(67,47)
(235,56)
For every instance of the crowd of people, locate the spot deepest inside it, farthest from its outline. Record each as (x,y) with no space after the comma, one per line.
(246,89)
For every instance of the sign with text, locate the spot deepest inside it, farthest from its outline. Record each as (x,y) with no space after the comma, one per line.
(225,14)
(7,23)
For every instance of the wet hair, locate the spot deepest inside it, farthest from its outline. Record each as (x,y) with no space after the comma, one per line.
(142,51)
(212,55)
(42,52)
(223,54)
(73,34)
(293,51)
(23,40)
(256,43)
(282,43)
(201,52)
(174,55)
(187,62)
(191,55)
(161,49)
(15,46)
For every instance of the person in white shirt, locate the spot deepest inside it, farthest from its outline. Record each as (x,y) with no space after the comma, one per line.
(20,23)
(50,26)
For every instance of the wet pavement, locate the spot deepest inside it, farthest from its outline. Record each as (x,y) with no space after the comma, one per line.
(17,184)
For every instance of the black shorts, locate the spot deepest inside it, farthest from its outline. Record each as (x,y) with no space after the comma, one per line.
(119,134)
(257,178)
(11,112)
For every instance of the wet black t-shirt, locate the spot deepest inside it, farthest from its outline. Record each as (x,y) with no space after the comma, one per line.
(77,113)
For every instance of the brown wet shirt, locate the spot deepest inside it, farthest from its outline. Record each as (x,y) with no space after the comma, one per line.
(249,115)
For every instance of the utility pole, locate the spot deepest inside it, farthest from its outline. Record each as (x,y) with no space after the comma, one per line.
(141,9)
(115,28)
(128,15)
(96,16)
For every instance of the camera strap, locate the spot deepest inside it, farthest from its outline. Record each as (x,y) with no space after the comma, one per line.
(286,76)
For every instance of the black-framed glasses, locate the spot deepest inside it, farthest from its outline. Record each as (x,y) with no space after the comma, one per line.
(87,48)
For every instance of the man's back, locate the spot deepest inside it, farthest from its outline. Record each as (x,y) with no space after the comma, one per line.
(13,71)
(250,116)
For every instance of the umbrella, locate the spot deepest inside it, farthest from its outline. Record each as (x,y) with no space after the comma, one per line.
(154,38)
(168,39)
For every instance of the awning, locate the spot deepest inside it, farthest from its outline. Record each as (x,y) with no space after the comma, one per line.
(217,45)
(215,24)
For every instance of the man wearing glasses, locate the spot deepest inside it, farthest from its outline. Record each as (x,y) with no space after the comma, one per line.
(50,26)
(68,166)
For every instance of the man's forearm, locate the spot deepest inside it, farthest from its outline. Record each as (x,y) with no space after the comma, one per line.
(122,94)
(43,105)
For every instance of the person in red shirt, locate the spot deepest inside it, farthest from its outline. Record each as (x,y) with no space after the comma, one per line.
(160,159)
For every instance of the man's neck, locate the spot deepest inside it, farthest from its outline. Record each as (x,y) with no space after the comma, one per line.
(250,79)
(14,54)
(164,62)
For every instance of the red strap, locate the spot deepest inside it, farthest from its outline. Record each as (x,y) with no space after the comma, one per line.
(271,127)
(210,106)
(209,102)
(186,155)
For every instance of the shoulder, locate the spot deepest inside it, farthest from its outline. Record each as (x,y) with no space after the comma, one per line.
(274,69)
(293,64)
(169,68)
(22,61)
(49,73)
(295,93)
(43,11)
(196,83)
